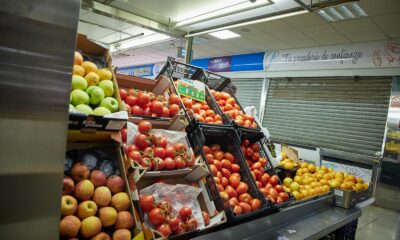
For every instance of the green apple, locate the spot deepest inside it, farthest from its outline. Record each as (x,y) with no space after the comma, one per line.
(79,97)
(101,111)
(110,103)
(108,87)
(71,107)
(78,82)
(96,94)
(83,108)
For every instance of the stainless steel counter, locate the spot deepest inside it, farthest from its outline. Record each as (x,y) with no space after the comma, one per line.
(308,220)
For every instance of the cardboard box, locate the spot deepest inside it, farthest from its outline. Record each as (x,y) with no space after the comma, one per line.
(92,123)
(88,141)
(206,204)
(160,86)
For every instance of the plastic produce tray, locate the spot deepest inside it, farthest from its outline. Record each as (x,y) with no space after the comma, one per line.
(229,141)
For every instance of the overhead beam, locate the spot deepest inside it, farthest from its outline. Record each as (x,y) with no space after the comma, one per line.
(131,18)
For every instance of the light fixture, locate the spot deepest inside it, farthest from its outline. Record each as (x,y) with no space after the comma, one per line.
(342,12)
(224,34)
(140,42)
(266,19)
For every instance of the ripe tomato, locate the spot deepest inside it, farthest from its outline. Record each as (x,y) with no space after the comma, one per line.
(191,224)
(279,200)
(217,180)
(122,93)
(248,117)
(226,164)
(284,196)
(131,148)
(209,120)
(220,188)
(215,147)
(143,98)
(245,207)
(146,203)
(148,152)
(173,223)
(213,169)
(179,162)
(147,112)
(237,175)
(249,152)
(256,165)
(180,147)
(207,150)
(259,184)
(219,155)
(146,163)
(274,180)
(174,109)
(159,152)
(189,160)
(255,204)
(234,181)
(245,142)
(158,164)
(217,164)
(185,213)
(196,108)
(157,107)
(206,218)
(224,196)
(144,126)
(224,181)
(273,193)
(174,99)
(217,117)
(268,186)
(142,141)
(169,163)
(131,100)
(210,158)
(233,202)
(135,156)
(165,112)
(124,134)
(237,210)
(258,174)
(279,188)
(163,142)
(255,156)
(219,174)
(231,192)
(180,229)
(230,100)
(263,161)
(242,188)
(165,206)
(265,178)
(264,191)
(235,168)
(225,172)
(170,152)
(137,110)
(188,102)
(164,229)
(245,197)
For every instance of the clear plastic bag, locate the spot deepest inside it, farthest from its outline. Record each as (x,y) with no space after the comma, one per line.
(179,196)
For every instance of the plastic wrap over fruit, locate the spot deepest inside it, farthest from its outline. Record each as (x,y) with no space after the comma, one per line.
(179,196)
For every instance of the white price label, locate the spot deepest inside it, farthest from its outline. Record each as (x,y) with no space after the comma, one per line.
(339,193)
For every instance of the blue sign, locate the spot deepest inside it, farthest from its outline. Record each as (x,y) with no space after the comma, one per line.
(237,63)
(138,71)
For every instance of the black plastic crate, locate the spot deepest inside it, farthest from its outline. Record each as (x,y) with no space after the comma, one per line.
(347,232)
(259,139)
(229,141)
(218,82)
(177,70)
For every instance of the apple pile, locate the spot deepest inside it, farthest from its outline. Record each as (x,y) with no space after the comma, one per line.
(229,106)
(156,153)
(143,103)
(202,111)
(92,88)
(92,201)
(162,219)
(226,174)
(268,185)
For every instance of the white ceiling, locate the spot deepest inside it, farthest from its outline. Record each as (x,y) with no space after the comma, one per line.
(308,30)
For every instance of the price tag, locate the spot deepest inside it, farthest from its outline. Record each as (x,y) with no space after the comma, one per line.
(192,89)
(338,193)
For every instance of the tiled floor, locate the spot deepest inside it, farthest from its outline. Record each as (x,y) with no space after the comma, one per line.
(378,223)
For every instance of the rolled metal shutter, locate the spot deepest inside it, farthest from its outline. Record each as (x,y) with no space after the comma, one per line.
(347,114)
(249,92)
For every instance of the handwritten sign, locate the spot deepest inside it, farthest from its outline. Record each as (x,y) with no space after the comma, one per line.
(192,89)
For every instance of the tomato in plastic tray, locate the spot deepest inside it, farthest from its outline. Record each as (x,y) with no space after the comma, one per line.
(228,139)
(257,138)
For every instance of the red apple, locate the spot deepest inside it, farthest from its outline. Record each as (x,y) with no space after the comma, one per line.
(279,188)
(86,209)
(115,183)
(69,226)
(284,196)
(98,178)
(120,201)
(124,220)
(108,216)
(274,180)
(80,171)
(68,205)
(91,226)
(102,196)
(101,236)
(68,185)
(84,190)
(122,234)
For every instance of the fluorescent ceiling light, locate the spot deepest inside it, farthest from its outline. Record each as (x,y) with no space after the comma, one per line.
(266,19)
(224,34)
(139,42)
(222,11)
(358,10)
(342,12)
(335,14)
(325,16)
(346,12)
